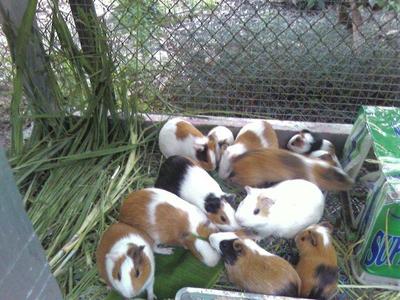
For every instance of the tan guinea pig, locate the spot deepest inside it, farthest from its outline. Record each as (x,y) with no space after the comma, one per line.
(170,220)
(254,269)
(125,260)
(317,266)
(179,137)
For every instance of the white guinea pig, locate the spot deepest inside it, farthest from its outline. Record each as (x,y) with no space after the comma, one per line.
(179,137)
(224,138)
(183,177)
(252,136)
(170,220)
(282,210)
(125,260)
(254,269)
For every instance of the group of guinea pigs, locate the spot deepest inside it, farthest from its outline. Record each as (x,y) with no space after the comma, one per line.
(188,208)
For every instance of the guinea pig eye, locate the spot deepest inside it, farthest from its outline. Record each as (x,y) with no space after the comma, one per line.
(119,276)
(223,219)
(137,273)
(303,238)
(256,211)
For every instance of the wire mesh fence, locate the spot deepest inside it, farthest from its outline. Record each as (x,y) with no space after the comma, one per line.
(298,60)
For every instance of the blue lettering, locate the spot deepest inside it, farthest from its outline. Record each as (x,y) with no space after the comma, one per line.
(381,259)
(374,250)
(377,252)
(395,249)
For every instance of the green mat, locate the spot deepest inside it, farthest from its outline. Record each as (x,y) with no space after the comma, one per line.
(179,270)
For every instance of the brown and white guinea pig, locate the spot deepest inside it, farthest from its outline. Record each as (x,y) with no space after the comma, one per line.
(179,137)
(313,145)
(254,135)
(326,156)
(224,138)
(183,177)
(125,260)
(170,220)
(258,167)
(317,266)
(254,269)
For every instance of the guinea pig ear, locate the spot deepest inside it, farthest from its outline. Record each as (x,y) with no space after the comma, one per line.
(223,146)
(213,137)
(247,189)
(327,225)
(313,238)
(230,198)
(267,202)
(238,247)
(212,204)
(304,131)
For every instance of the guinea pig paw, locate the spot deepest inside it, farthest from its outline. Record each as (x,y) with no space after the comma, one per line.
(164,251)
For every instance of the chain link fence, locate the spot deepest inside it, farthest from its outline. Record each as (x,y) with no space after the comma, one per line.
(313,60)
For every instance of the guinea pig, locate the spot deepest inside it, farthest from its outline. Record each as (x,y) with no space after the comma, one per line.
(306,142)
(224,138)
(312,145)
(253,269)
(258,167)
(317,266)
(281,210)
(254,135)
(125,260)
(179,137)
(327,156)
(183,177)
(169,220)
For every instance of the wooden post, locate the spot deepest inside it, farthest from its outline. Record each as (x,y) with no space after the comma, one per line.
(38,80)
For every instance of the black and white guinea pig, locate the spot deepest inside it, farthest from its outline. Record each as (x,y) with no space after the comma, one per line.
(183,177)
(306,142)
(254,269)
(125,260)
(179,137)
(224,138)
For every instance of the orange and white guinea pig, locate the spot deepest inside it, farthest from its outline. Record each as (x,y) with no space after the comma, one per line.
(179,137)
(254,269)
(170,220)
(125,260)
(317,266)
(254,135)
(258,167)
